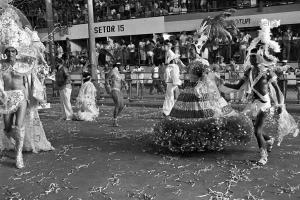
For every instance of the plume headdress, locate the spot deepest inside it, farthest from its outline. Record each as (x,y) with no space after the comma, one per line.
(12,34)
(263,43)
(15,31)
(216,28)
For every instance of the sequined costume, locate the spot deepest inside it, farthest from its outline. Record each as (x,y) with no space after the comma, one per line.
(276,125)
(29,135)
(202,120)
(86,102)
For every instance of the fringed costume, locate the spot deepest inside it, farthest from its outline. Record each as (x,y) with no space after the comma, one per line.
(202,120)
(20,86)
(86,102)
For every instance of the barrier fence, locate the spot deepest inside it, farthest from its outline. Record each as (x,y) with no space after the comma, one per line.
(139,83)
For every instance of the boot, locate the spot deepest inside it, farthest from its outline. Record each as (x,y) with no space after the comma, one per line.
(115,122)
(19,138)
(269,144)
(263,157)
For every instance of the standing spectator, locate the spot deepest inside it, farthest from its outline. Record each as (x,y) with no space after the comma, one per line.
(142,47)
(131,48)
(297,73)
(158,53)
(128,80)
(177,48)
(121,10)
(63,82)
(125,54)
(102,55)
(183,38)
(297,47)
(139,75)
(59,50)
(100,82)
(286,41)
(156,83)
(150,46)
(222,64)
(243,45)
(68,47)
(127,9)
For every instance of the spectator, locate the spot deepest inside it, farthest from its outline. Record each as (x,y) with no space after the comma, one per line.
(142,48)
(139,80)
(125,54)
(131,48)
(297,73)
(63,82)
(68,47)
(156,83)
(149,47)
(286,41)
(59,50)
(127,73)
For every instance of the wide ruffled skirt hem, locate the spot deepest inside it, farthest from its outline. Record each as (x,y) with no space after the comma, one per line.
(187,135)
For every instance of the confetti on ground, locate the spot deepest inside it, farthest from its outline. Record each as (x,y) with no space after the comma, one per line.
(97,161)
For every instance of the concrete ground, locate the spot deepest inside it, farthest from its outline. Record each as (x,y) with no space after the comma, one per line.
(93,160)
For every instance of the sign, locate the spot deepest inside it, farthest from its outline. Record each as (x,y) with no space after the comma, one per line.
(130,27)
(116,28)
(241,21)
(109,29)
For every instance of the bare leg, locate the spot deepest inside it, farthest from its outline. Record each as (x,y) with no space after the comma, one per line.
(118,107)
(260,137)
(8,122)
(120,102)
(20,134)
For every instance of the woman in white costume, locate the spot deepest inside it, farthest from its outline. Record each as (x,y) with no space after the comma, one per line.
(86,100)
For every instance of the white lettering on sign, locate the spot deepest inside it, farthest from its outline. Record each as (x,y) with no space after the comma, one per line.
(109,29)
(243,21)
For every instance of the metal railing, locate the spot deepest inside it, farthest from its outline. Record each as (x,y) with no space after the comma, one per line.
(138,87)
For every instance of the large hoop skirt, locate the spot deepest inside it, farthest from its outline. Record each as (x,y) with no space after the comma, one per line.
(202,120)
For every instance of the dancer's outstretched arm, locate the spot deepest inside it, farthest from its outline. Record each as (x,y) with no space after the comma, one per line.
(238,85)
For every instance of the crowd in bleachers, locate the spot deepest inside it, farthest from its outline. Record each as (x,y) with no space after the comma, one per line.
(71,12)
(151,51)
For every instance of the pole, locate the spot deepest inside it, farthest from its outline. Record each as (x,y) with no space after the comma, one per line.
(50,25)
(92,42)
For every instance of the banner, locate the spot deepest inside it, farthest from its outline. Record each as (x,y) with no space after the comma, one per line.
(130,27)
(241,21)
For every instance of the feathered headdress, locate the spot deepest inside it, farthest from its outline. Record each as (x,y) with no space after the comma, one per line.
(12,35)
(263,42)
(216,28)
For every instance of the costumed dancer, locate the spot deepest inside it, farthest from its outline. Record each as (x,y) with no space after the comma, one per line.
(172,74)
(86,100)
(201,119)
(260,85)
(114,83)
(20,87)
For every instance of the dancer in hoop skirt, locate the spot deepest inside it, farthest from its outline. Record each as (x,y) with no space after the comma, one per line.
(201,119)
